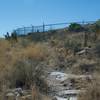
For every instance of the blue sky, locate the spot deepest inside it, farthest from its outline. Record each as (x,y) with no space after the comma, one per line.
(19,13)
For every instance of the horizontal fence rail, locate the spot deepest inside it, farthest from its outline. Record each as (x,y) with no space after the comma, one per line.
(47,27)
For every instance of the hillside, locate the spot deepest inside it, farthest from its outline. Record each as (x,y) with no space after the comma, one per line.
(29,62)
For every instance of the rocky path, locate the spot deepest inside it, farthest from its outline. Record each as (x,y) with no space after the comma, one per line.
(62,85)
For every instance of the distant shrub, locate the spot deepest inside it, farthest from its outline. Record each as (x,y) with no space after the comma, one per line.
(74,27)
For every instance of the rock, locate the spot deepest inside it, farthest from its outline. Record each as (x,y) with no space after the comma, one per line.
(18,92)
(10,96)
(27,97)
(14,94)
(86,50)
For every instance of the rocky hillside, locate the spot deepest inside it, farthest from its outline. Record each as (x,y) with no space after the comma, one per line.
(59,64)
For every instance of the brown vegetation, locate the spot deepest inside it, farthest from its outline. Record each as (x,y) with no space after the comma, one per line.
(92,92)
(27,61)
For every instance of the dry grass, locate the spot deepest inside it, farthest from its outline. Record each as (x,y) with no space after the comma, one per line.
(84,65)
(11,55)
(22,58)
(37,51)
(92,92)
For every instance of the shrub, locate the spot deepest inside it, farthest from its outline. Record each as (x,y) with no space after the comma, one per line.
(26,72)
(21,63)
(74,27)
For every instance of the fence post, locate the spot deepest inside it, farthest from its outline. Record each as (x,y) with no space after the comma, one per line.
(17,31)
(32,29)
(43,27)
(24,31)
(50,27)
(85,39)
(83,22)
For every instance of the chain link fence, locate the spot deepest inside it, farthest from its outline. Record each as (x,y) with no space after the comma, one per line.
(47,27)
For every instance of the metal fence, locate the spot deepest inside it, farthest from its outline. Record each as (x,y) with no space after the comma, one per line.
(47,27)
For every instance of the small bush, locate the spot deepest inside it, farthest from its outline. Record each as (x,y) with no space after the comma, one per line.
(26,72)
(74,27)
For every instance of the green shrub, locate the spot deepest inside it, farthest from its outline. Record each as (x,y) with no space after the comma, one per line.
(74,27)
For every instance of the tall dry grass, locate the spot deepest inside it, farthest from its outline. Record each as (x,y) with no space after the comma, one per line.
(17,59)
(92,92)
